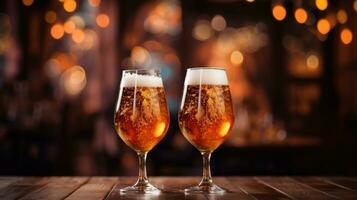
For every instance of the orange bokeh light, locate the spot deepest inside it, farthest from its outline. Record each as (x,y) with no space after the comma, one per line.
(346,36)
(102,20)
(69,26)
(342,16)
(69,5)
(94,3)
(57,31)
(300,15)
(323,26)
(78,36)
(50,16)
(27,2)
(321,4)
(279,12)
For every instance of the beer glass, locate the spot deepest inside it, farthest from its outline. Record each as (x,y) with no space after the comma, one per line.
(141,118)
(206,117)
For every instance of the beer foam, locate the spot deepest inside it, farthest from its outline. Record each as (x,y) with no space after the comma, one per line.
(140,80)
(207,76)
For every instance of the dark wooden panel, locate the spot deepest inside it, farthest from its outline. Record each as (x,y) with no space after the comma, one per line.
(294,189)
(95,188)
(57,188)
(256,189)
(332,189)
(22,187)
(347,183)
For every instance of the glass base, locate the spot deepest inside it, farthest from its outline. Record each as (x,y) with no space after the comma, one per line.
(140,188)
(207,188)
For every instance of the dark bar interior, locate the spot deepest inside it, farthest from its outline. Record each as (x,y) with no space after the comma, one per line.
(291,66)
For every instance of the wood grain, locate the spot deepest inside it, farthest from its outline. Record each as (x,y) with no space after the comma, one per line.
(347,183)
(20,188)
(57,188)
(293,189)
(260,191)
(7,180)
(246,188)
(95,188)
(332,189)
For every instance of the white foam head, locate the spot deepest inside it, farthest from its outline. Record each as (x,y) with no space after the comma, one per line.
(207,76)
(140,80)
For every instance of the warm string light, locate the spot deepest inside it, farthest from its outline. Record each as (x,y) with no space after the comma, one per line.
(237,57)
(323,26)
(342,16)
(346,36)
(300,15)
(279,12)
(69,26)
(78,36)
(321,4)
(27,2)
(94,3)
(312,62)
(57,31)
(69,5)
(102,20)
(218,23)
(50,16)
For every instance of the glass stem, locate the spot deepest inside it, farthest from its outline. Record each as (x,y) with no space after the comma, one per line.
(206,179)
(142,169)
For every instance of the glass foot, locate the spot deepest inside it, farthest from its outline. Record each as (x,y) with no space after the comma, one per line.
(140,188)
(209,188)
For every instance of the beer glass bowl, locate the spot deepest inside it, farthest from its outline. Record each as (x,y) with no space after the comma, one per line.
(206,117)
(141,119)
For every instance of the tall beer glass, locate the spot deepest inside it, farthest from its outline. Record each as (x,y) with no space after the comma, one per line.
(141,119)
(206,117)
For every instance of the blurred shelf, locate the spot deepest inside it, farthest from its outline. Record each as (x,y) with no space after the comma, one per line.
(291,141)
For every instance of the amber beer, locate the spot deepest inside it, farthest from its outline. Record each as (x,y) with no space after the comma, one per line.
(142,117)
(206,116)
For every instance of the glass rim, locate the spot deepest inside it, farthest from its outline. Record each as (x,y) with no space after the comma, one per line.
(206,68)
(158,71)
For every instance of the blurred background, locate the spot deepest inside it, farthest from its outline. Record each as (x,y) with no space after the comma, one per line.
(292,67)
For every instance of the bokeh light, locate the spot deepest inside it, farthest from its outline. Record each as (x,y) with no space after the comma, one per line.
(218,23)
(57,31)
(355,5)
(140,56)
(50,16)
(27,2)
(346,36)
(69,26)
(202,30)
(321,4)
(94,3)
(300,15)
(74,80)
(323,26)
(69,5)
(78,36)
(78,21)
(102,20)
(90,39)
(312,62)
(237,57)
(279,12)
(342,16)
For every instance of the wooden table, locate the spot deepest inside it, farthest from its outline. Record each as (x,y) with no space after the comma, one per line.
(240,188)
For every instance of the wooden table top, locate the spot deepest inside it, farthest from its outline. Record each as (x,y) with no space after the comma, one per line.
(240,188)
